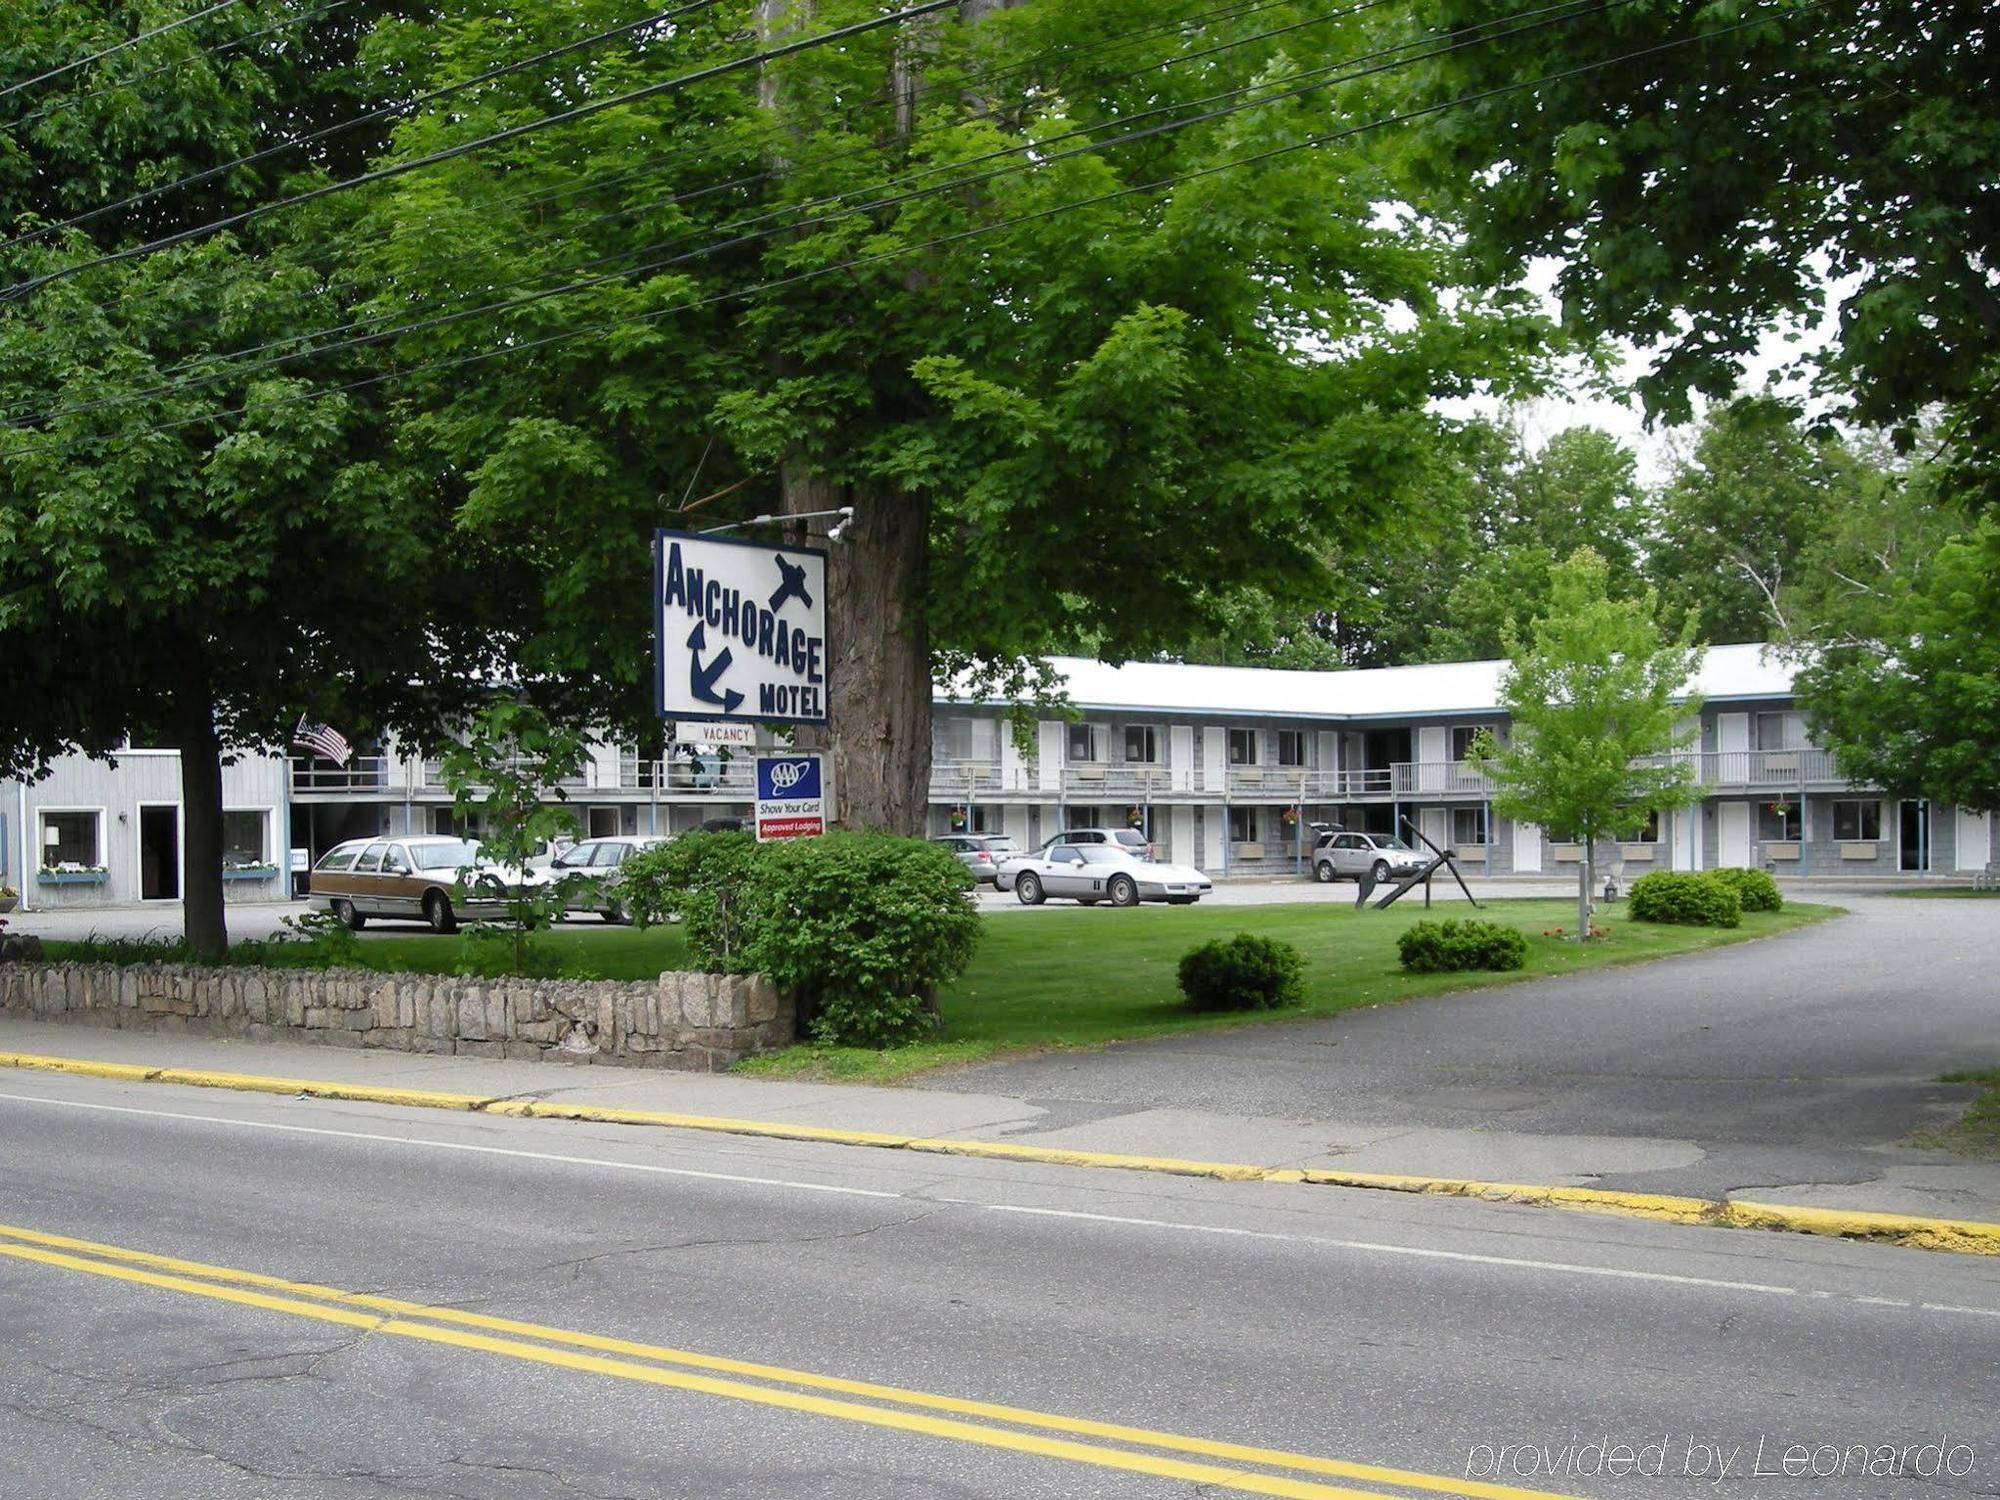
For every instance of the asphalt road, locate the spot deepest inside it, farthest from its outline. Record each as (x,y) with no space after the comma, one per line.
(638,1272)
(1786,1063)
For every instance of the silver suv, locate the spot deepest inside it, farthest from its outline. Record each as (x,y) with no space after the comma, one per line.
(1350,856)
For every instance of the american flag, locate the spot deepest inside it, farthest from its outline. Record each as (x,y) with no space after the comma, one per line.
(328,744)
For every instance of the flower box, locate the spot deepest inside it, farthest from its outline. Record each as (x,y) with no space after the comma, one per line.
(8,902)
(1638,853)
(1781,851)
(1566,854)
(71,877)
(252,872)
(1865,850)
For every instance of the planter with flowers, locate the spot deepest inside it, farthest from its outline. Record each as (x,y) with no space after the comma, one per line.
(9,899)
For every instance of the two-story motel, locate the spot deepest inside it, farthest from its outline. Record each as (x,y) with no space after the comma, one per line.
(1226,768)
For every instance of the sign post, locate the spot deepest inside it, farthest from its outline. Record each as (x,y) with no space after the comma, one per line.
(791,797)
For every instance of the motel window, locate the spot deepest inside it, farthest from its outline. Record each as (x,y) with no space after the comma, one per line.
(1857,820)
(1468,827)
(1083,817)
(1650,832)
(1291,747)
(955,738)
(1778,821)
(1243,747)
(1461,741)
(1243,825)
(970,819)
(246,839)
(1086,742)
(71,838)
(1774,731)
(1142,744)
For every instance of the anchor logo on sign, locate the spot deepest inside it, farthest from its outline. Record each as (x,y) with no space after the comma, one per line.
(701,680)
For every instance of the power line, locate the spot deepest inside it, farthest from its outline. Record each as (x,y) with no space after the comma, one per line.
(536,196)
(1328,76)
(1311,142)
(512,132)
(70,101)
(380,112)
(144,36)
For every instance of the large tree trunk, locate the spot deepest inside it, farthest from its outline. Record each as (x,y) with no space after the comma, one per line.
(878,732)
(203,921)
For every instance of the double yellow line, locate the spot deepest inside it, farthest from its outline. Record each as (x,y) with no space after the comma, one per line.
(1107,1445)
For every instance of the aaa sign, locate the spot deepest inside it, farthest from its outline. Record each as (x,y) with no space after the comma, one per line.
(740,630)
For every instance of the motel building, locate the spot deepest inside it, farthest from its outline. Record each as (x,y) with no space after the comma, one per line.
(1225,768)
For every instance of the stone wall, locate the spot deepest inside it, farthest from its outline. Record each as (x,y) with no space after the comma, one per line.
(697,1022)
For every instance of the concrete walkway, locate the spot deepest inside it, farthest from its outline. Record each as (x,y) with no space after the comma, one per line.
(1785,1070)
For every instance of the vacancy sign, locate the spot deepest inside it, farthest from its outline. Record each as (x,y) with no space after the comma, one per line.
(791,797)
(740,630)
(708,732)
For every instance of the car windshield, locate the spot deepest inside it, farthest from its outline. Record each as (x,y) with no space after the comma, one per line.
(1000,846)
(452,856)
(1385,841)
(1102,854)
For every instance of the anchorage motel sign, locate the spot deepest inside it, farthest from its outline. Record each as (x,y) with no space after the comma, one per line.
(740,630)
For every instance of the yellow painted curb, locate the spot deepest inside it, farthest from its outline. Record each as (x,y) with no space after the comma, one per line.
(1958,1236)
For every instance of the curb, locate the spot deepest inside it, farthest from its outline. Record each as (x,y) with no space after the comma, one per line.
(1955,1236)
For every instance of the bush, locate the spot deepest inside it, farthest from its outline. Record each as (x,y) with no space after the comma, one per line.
(1453,947)
(863,927)
(1755,889)
(1684,900)
(699,878)
(1245,972)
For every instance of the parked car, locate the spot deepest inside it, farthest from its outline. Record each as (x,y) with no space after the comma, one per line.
(1349,856)
(1091,873)
(1132,840)
(434,880)
(981,853)
(588,873)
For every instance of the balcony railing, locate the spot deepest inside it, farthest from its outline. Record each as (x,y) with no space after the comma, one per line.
(1779,768)
(735,779)
(365,773)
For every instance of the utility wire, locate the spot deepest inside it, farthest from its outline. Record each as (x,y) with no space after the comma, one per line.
(334,253)
(70,101)
(512,132)
(1311,142)
(1330,75)
(380,112)
(144,36)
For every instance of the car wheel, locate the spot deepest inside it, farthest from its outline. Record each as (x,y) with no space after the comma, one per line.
(1380,873)
(615,914)
(1123,890)
(438,912)
(1323,871)
(348,917)
(1028,889)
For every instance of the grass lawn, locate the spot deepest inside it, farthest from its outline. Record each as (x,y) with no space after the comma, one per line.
(1069,978)
(1075,977)
(1978,1132)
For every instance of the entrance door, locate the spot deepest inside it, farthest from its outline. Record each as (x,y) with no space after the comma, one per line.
(160,853)
(1975,840)
(603,822)
(1914,853)
(1732,834)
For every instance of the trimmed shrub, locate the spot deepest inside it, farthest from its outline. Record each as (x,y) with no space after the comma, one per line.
(1755,889)
(863,928)
(699,878)
(1245,972)
(1685,900)
(1455,946)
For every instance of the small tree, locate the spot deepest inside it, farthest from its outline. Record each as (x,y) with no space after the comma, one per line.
(508,773)
(1595,694)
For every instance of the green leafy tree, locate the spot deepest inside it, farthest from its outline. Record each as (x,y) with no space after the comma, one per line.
(1733,521)
(1085,400)
(509,775)
(193,566)
(1595,692)
(1702,173)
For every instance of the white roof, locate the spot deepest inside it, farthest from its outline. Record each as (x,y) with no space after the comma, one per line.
(1459,687)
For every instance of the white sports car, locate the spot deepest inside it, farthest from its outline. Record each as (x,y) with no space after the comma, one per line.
(1091,873)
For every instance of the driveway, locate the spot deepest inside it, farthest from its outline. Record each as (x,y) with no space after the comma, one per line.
(1796,1062)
